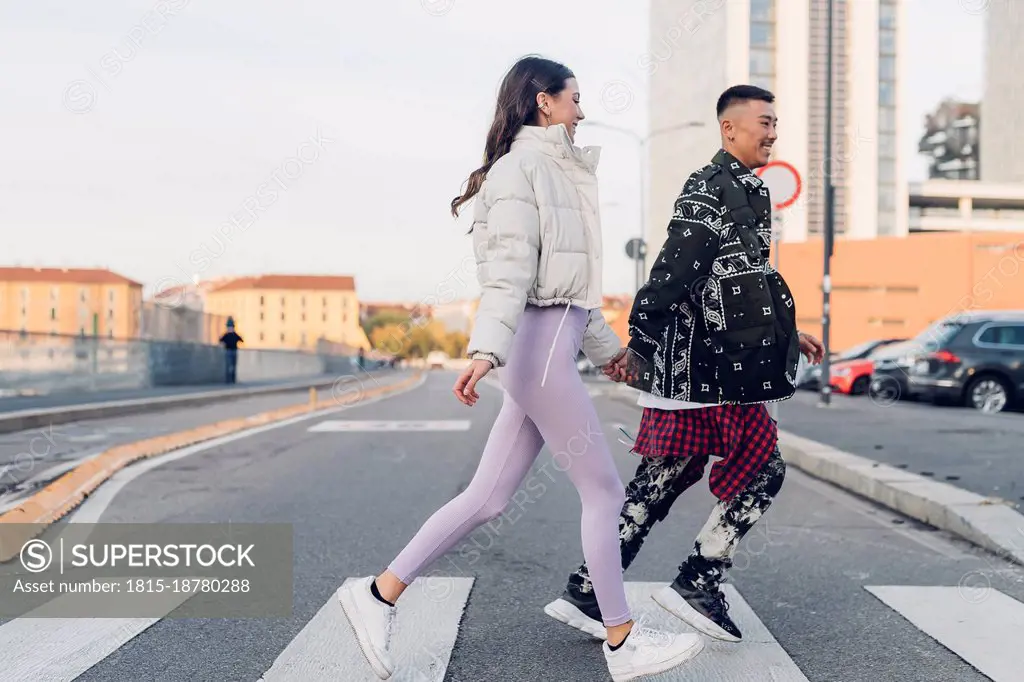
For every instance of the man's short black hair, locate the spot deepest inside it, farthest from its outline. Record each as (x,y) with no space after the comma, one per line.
(742,93)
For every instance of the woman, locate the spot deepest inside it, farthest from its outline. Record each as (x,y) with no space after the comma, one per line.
(537,240)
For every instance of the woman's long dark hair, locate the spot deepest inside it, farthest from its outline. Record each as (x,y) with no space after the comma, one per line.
(516,107)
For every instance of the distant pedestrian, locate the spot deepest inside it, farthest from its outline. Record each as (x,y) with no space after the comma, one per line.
(537,240)
(230,341)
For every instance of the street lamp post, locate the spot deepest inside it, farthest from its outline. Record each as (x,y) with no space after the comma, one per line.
(642,142)
(829,226)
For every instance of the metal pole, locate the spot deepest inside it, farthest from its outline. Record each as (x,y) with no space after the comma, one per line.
(641,262)
(826,282)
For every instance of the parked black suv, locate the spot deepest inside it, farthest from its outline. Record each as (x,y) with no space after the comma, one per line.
(976,359)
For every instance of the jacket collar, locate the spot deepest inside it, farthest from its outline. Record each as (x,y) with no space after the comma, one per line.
(747,178)
(554,141)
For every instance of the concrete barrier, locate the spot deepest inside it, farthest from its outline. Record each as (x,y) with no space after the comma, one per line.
(37,364)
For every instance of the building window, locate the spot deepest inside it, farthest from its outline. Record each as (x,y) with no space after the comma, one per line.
(282,317)
(887,146)
(261,317)
(282,301)
(762,62)
(887,15)
(53,313)
(761,34)
(324,317)
(82,295)
(325,301)
(303,317)
(110,295)
(303,301)
(261,336)
(887,41)
(886,198)
(887,68)
(886,94)
(762,43)
(282,337)
(887,120)
(261,300)
(761,10)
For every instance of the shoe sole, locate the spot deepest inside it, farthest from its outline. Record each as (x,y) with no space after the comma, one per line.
(349,608)
(669,599)
(564,612)
(671,663)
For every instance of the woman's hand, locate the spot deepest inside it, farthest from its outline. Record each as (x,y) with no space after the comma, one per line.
(465,387)
(616,367)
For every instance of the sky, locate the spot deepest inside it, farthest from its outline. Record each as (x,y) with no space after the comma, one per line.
(175,139)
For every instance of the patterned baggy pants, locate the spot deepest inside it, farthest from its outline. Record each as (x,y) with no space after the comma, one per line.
(649,497)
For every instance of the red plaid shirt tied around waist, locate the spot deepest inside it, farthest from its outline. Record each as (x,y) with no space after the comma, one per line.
(743,436)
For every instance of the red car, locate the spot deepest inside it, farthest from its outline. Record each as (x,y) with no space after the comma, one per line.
(853,376)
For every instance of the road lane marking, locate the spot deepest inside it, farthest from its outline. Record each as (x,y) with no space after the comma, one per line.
(759,656)
(426,627)
(92,509)
(981,625)
(372,425)
(39,647)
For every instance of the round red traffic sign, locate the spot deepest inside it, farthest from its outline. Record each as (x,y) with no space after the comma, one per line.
(783,182)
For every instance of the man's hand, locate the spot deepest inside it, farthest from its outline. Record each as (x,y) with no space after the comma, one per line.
(616,367)
(465,387)
(812,348)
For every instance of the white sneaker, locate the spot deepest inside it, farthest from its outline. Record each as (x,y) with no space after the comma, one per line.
(566,612)
(648,652)
(372,621)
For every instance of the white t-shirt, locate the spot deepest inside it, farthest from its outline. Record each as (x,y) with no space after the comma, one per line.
(659,403)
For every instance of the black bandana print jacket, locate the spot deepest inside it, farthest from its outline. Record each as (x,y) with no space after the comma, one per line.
(715,323)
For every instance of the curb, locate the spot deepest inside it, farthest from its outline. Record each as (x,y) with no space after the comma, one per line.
(61,496)
(987,522)
(23,420)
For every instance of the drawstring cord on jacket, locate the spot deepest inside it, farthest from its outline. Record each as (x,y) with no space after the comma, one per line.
(551,351)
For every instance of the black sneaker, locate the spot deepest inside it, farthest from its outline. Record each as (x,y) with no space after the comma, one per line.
(580,612)
(706,611)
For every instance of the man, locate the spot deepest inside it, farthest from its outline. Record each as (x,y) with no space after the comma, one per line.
(230,341)
(712,339)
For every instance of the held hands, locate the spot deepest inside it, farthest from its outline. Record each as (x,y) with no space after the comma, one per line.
(812,348)
(616,367)
(465,386)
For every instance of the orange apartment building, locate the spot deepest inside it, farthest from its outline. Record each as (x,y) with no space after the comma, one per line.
(897,286)
(70,301)
(290,311)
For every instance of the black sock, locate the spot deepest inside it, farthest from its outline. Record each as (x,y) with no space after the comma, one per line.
(376,593)
(616,647)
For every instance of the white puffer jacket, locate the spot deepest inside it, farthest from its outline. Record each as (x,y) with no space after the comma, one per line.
(537,239)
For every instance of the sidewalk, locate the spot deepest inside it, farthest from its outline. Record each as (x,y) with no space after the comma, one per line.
(28,412)
(37,402)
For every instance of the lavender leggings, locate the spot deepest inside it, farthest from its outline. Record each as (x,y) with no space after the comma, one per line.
(561,415)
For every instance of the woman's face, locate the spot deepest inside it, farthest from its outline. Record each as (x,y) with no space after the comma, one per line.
(562,108)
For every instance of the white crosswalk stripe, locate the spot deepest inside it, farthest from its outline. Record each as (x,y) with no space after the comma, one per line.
(758,657)
(39,647)
(425,630)
(362,425)
(981,626)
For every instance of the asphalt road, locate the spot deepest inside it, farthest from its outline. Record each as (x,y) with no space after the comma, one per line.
(31,459)
(983,453)
(356,497)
